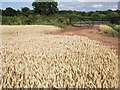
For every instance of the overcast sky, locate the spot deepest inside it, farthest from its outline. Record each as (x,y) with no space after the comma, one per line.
(79,5)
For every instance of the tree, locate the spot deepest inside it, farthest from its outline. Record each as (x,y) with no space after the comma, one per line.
(45,7)
(25,11)
(95,16)
(113,17)
(9,12)
(0,12)
(18,12)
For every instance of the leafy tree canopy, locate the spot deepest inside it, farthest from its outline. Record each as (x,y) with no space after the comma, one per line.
(44,1)
(113,17)
(46,7)
(25,9)
(9,12)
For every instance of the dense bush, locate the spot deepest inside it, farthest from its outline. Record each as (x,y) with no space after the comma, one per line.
(55,19)
(115,27)
(108,30)
(9,20)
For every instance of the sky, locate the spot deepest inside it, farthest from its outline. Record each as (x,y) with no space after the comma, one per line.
(63,0)
(79,5)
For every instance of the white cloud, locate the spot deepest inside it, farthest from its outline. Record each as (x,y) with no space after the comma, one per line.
(66,7)
(17,0)
(113,9)
(95,0)
(61,6)
(97,6)
(82,10)
(79,0)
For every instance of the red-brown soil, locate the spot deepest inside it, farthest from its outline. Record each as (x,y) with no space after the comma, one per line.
(93,34)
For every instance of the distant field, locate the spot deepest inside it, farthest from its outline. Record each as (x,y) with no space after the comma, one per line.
(35,58)
(90,22)
(27,29)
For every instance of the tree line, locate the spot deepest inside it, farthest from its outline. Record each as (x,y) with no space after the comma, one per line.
(50,8)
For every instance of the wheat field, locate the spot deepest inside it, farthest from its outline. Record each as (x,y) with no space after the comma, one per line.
(34,58)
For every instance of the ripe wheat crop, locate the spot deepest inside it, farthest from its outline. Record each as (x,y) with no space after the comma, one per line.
(36,60)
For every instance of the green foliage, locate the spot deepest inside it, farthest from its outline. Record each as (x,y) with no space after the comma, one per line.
(26,11)
(46,7)
(115,27)
(108,30)
(0,18)
(46,13)
(113,17)
(9,20)
(55,19)
(9,12)
(95,16)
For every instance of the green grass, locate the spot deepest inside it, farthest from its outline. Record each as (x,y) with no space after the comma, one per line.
(89,22)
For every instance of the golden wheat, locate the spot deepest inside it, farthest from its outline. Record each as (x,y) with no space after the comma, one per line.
(35,60)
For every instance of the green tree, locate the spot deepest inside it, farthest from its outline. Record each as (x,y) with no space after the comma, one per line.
(95,16)
(45,7)
(26,11)
(9,12)
(113,17)
(0,12)
(102,16)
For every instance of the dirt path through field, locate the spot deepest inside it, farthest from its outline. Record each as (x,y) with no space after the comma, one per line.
(93,34)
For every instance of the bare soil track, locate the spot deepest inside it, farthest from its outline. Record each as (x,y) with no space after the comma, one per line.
(92,33)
